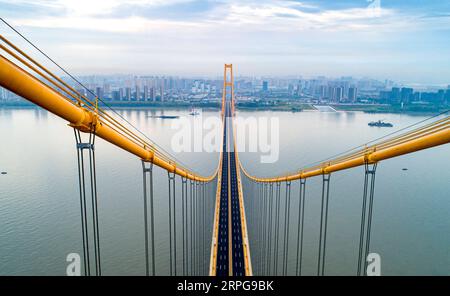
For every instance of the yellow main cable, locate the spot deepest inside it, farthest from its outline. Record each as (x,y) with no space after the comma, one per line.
(21,82)
(428,136)
(76,95)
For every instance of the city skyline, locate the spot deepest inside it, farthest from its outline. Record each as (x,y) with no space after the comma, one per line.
(398,40)
(325,90)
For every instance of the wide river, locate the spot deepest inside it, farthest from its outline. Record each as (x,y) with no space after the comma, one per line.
(39,201)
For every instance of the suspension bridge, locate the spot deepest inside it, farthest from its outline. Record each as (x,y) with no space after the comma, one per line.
(218,218)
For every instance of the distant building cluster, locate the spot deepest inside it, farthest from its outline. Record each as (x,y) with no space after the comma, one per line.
(406,95)
(343,90)
(148,88)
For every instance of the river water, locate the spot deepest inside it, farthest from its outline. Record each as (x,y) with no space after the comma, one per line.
(39,202)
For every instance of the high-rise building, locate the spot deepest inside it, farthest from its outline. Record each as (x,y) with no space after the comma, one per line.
(128,94)
(121,94)
(298,89)
(352,94)
(331,93)
(99,92)
(145,98)
(447,96)
(395,95)
(406,95)
(137,93)
(322,91)
(106,89)
(291,89)
(339,94)
(441,96)
(265,86)
(152,94)
(116,95)
(385,95)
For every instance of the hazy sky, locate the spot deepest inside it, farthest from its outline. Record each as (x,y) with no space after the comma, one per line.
(404,40)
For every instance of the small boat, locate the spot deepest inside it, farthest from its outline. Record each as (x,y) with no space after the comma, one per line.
(380,123)
(4,173)
(194,112)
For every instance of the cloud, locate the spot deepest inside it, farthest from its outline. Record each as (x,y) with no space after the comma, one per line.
(137,15)
(122,25)
(264,36)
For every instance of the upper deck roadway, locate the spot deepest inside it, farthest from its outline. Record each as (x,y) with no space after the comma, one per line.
(230,248)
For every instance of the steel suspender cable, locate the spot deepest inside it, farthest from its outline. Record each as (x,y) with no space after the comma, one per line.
(205,240)
(261,219)
(145,221)
(186,226)
(203,237)
(366,217)
(205,228)
(172,224)
(277,226)
(369,218)
(323,224)
(260,205)
(93,176)
(82,189)
(286,227)
(363,220)
(252,210)
(191,204)
(148,171)
(183,217)
(261,228)
(301,222)
(94,201)
(200,230)
(152,221)
(264,223)
(269,257)
(255,215)
(196,229)
(200,227)
(170,227)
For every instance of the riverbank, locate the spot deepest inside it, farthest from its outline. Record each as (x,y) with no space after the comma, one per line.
(287,106)
(408,109)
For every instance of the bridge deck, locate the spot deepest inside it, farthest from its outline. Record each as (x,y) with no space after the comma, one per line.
(230,251)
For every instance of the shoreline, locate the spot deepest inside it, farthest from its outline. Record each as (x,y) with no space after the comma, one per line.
(293,108)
